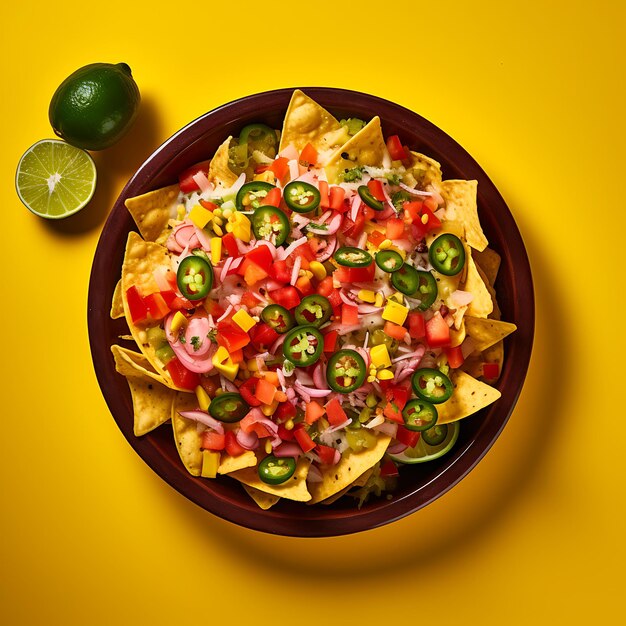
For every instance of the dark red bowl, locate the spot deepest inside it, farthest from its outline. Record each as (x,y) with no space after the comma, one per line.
(418,484)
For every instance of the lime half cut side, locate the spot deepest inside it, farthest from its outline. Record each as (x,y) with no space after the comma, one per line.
(55,180)
(423,452)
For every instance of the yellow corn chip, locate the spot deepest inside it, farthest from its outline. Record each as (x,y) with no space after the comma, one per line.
(359,482)
(482,303)
(489,261)
(487,332)
(219,172)
(264,500)
(460,197)
(230,464)
(469,396)
(308,122)
(152,211)
(423,170)
(186,434)
(117,304)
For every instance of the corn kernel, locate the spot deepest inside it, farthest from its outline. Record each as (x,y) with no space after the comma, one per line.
(289,424)
(385,375)
(367,295)
(216,250)
(243,320)
(371,379)
(227,213)
(218,230)
(267,176)
(384,245)
(269,409)
(229,228)
(268,446)
(203,398)
(217,213)
(319,271)
(178,322)
(218,221)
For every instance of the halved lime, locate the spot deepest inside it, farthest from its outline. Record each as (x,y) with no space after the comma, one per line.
(422,452)
(54,179)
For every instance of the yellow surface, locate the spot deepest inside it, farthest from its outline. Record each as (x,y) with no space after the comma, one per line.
(534,535)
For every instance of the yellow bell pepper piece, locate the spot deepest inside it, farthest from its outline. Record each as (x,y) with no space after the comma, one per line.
(367,295)
(203,398)
(395,312)
(216,250)
(380,356)
(385,375)
(244,320)
(200,216)
(178,321)
(210,463)
(224,364)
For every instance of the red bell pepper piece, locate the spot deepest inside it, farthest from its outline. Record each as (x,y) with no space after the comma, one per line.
(308,156)
(185,178)
(349,315)
(397,151)
(207,204)
(247,391)
(273,197)
(389,469)
(417,326)
(324,198)
(280,167)
(228,241)
(280,272)
(335,413)
(395,228)
(136,305)
(337,195)
(262,336)
(376,189)
(437,331)
(181,376)
(325,453)
(232,446)
(491,371)
(455,356)
(330,341)
(212,440)
(284,411)
(304,440)
(286,296)
(231,336)
(157,306)
(407,437)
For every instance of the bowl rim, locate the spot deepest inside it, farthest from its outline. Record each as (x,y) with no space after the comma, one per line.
(314,521)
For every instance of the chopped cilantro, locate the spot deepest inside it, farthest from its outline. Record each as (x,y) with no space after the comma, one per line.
(352,175)
(196,343)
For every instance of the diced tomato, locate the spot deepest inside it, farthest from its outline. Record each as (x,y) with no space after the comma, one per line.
(249,300)
(237,356)
(228,241)
(285,434)
(337,195)
(394,331)
(262,336)
(279,272)
(335,300)
(304,286)
(213,308)
(491,371)
(280,167)
(325,286)
(349,315)
(392,413)
(308,156)
(273,197)
(417,326)
(181,376)
(262,256)
(335,413)
(431,203)
(395,228)
(388,469)
(376,238)
(156,305)
(325,453)
(304,440)
(251,272)
(259,169)
(407,437)
(212,440)
(286,296)
(376,189)
(397,397)
(305,252)
(437,331)
(232,446)
(231,336)
(207,204)
(362,274)
(454,356)
(396,150)
(314,410)
(324,198)
(248,391)
(185,178)
(330,341)
(265,391)
(136,305)
(284,411)
(175,302)
(413,209)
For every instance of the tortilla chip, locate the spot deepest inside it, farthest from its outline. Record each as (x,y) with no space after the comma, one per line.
(367,147)
(140,261)
(186,436)
(219,172)
(359,482)
(308,122)
(264,500)
(495,313)
(152,400)
(487,332)
(424,170)
(152,211)
(117,304)
(489,261)
(460,197)
(470,395)
(482,303)
(351,466)
(294,489)
(230,464)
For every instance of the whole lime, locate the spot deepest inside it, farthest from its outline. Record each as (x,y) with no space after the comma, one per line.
(95,105)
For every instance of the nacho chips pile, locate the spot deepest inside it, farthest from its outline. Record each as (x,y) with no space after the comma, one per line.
(274,219)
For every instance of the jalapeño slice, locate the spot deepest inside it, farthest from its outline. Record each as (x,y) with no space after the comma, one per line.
(389,261)
(194,277)
(303,345)
(431,385)
(314,310)
(301,197)
(345,371)
(427,290)
(275,471)
(419,415)
(252,194)
(278,317)
(259,137)
(228,407)
(368,198)
(353,257)
(271,224)
(435,435)
(447,254)
(406,280)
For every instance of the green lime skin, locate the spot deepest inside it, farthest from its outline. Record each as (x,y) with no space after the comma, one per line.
(95,105)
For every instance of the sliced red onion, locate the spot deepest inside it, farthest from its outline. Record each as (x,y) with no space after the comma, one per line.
(227,263)
(362,241)
(386,213)
(204,418)
(325,253)
(199,365)
(297,264)
(203,238)
(159,278)
(172,245)
(415,192)
(197,327)
(343,329)
(287,448)
(183,232)
(225,314)
(314,475)
(294,169)
(283,253)
(417,353)
(354,207)
(303,377)
(290,152)
(367,309)
(312,392)
(333,429)
(319,376)
(388,199)
(337,457)
(200,178)
(396,448)
(249,441)
(461,298)
(387,428)
(277,344)
(346,298)
(281,378)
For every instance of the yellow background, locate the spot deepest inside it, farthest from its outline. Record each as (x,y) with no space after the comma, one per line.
(534,91)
